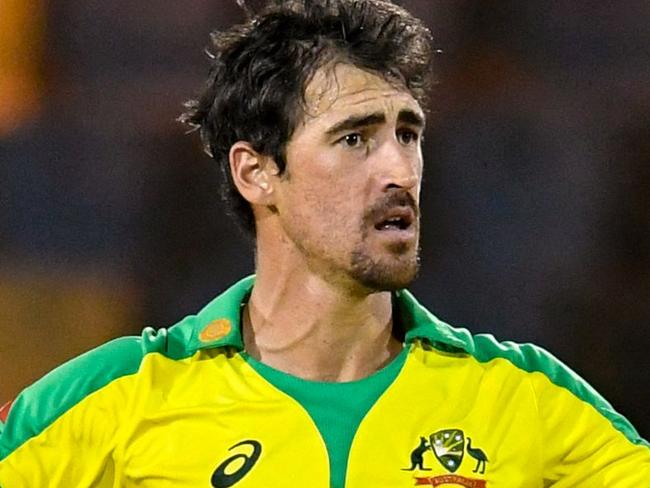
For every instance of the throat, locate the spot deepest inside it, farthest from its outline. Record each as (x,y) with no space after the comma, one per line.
(330,366)
(319,351)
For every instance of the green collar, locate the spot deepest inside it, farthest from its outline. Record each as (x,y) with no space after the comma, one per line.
(218,325)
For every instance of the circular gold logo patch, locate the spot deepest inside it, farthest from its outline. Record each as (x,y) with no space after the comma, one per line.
(215,330)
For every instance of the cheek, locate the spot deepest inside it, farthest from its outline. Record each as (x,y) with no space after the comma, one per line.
(331,206)
(328,212)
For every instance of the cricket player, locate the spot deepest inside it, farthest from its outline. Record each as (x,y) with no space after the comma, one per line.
(322,370)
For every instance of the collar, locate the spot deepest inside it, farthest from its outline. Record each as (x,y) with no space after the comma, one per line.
(218,324)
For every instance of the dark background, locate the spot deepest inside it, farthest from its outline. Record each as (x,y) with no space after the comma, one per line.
(536,202)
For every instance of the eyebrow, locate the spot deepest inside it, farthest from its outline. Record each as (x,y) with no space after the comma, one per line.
(410,117)
(358,121)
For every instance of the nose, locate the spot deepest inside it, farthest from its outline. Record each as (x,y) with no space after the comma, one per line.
(399,167)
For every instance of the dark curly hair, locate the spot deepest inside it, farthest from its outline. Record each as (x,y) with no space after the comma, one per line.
(260,69)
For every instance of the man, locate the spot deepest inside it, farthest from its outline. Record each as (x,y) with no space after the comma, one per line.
(321,371)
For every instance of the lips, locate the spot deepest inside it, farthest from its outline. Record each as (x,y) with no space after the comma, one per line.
(397,218)
(394,218)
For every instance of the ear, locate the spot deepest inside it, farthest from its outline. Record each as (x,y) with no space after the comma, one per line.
(251,172)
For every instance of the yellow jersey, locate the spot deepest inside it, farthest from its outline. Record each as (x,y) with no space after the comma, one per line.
(185,407)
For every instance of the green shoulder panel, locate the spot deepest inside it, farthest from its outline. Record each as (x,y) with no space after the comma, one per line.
(527,357)
(534,359)
(40,404)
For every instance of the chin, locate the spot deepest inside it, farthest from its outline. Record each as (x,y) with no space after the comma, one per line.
(379,275)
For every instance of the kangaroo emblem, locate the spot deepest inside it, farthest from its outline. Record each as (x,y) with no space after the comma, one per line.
(417,456)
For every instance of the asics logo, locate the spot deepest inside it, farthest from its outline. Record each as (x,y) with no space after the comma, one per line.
(223,477)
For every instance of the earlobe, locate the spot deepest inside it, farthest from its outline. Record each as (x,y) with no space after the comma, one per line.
(250,173)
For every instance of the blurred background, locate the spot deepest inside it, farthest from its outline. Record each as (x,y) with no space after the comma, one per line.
(536,201)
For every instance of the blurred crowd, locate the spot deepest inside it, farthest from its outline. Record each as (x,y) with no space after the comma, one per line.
(536,199)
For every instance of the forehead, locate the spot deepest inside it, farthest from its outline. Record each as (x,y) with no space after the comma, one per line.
(341,90)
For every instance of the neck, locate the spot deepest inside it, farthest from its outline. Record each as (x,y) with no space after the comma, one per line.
(304,325)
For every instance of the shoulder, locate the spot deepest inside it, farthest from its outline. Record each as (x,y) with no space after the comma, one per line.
(530,359)
(100,372)
(556,385)
(40,404)
(420,323)
(485,348)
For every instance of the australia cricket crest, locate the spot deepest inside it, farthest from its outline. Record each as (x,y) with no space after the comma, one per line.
(449,446)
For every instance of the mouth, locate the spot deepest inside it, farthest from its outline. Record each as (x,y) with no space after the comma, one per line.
(399,219)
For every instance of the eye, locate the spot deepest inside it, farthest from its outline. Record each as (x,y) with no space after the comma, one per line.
(352,140)
(407,136)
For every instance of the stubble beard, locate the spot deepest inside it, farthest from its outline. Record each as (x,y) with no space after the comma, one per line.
(391,273)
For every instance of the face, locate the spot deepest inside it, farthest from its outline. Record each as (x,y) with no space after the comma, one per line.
(348,201)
